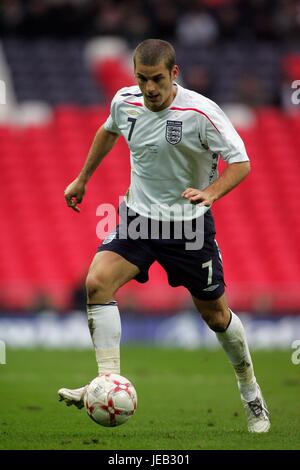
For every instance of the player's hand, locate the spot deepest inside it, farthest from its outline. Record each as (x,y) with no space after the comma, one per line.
(74,194)
(195,196)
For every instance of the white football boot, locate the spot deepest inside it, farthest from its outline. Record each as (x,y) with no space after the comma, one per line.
(257,414)
(72,396)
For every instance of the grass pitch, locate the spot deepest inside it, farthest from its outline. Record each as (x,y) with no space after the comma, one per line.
(187,400)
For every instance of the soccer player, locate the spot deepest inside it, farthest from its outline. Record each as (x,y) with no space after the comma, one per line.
(175,138)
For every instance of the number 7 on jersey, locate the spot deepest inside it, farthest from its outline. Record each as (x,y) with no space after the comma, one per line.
(133,121)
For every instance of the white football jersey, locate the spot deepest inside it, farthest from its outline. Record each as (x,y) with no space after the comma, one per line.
(172,150)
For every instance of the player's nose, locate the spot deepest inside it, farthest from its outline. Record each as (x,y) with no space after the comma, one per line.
(150,87)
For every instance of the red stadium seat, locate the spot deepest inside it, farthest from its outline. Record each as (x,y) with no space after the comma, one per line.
(46,247)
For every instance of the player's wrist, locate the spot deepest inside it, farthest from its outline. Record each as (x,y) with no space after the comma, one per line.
(83,178)
(211,195)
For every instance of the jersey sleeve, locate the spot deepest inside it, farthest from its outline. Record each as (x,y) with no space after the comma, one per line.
(221,137)
(111,123)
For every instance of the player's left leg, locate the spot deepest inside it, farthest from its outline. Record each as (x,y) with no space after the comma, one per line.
(231,335)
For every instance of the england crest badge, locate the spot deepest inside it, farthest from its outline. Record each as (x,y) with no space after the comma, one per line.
(174,132)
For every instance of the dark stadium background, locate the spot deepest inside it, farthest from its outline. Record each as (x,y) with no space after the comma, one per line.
(61,62)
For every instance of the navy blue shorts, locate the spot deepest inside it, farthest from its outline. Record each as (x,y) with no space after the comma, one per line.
(199,270)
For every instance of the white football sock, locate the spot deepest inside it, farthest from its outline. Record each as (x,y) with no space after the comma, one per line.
(105,328)
(234,343)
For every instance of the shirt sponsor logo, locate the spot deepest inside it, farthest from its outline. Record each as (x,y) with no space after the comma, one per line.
(174,132)
(152,148)
(132,112)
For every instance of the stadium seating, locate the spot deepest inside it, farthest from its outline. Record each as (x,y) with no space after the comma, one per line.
(51,70)
(46,248)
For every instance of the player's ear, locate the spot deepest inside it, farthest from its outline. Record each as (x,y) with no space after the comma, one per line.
(175,72)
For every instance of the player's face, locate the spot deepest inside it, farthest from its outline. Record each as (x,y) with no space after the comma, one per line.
(156,84)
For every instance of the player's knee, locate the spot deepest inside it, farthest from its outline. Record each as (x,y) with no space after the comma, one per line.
(98,287)
(216,320)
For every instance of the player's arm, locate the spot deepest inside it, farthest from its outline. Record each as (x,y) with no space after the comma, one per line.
(103,142)
(229,179)
(218,135)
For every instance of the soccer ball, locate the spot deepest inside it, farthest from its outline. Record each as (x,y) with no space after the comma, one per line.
(110,400)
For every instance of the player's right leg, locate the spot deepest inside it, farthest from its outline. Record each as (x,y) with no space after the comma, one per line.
(108,272)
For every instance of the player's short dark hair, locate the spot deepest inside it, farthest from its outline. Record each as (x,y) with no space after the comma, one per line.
(154,51)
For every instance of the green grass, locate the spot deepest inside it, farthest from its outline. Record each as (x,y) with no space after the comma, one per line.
(187,400)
